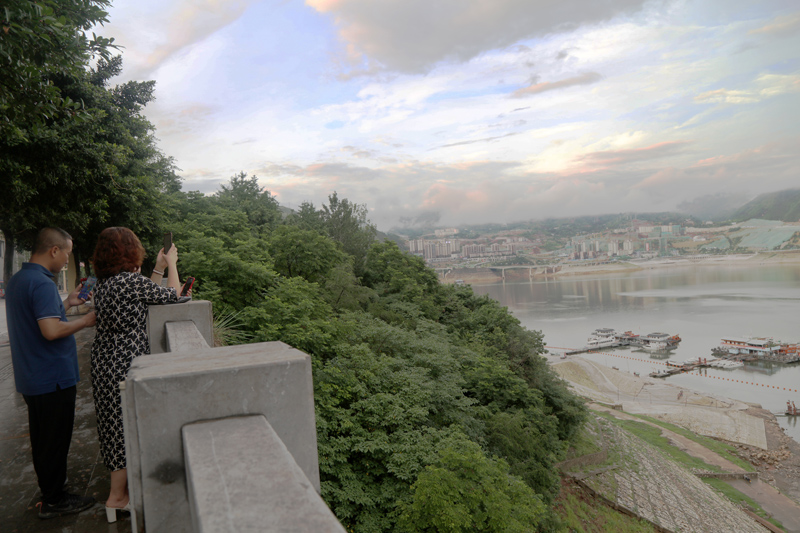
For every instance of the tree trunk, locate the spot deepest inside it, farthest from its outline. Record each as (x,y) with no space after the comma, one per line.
(8,258)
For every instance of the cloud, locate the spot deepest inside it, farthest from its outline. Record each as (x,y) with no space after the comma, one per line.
(776,84)
(768,167)
(485,139)
(180,25)
(184,119)
(413,35)
(768,85)
(779,26)
(725,96)
(536,88)
(648,153)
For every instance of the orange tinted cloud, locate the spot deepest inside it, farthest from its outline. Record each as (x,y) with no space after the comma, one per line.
(536,88)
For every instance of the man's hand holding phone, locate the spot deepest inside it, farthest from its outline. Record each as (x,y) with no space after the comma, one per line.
(87,286)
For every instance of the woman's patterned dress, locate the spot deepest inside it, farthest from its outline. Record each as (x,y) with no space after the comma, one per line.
(121,303)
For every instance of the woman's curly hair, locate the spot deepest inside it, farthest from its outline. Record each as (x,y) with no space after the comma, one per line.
(118,250)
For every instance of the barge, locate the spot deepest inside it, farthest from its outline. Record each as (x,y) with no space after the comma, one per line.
(764,348)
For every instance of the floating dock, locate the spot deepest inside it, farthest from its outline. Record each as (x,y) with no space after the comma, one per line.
(603,338)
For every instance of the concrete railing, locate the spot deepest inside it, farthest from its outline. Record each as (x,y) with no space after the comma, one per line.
(220,439)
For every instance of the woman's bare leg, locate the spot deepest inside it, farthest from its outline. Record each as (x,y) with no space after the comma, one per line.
(118,497)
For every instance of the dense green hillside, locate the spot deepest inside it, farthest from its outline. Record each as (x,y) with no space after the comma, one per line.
(435,410)
(781,205)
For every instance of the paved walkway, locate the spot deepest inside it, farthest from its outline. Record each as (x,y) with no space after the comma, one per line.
(19,492)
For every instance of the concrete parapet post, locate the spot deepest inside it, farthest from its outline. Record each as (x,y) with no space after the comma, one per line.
(197,311)
(241,477)
(184,337)
(165,392)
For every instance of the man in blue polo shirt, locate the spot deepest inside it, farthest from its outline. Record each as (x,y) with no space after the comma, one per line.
(45,359)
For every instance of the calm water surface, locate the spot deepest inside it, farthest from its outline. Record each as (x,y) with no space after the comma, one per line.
(702,304)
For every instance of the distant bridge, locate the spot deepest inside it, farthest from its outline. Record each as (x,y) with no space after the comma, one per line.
(443,272)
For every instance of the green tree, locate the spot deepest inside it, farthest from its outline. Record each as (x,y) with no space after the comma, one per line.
(401,276)
(347,224)
(464,490)
(232,265)
(41,39)
(84,176)
(304,253)
(307,217)
(434,408)
(245,194)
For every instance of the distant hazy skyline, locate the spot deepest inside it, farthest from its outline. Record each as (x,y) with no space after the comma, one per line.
(472,111)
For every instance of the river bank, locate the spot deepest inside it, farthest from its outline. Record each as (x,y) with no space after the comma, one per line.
(754,431)
(569,269)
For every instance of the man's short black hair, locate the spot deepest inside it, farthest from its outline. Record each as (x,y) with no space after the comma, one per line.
(49,237)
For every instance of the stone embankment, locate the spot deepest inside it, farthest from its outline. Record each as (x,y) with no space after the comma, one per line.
(652,486)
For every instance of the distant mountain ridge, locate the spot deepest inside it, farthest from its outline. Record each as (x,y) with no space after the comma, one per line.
(782,205)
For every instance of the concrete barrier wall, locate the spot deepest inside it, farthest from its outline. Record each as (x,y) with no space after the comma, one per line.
(166,392)
(241,477)
(197,311)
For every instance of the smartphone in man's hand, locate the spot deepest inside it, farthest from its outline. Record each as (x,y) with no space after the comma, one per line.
(87,286)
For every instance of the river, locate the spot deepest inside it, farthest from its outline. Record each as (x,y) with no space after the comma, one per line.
(700,303)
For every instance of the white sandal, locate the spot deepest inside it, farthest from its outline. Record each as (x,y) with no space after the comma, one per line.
(111,512)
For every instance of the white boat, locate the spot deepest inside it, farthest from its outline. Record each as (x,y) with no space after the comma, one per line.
(603,333)
(655,346)
(599,342)
(658,341)
(601,338)
(750,345)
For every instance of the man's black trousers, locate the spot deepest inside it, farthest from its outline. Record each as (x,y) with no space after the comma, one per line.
(51,417)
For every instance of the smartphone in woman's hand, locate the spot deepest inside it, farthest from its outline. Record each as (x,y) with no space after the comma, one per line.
(167,242)
(187,286)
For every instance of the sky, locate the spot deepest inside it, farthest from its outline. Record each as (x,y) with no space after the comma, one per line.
(471,111)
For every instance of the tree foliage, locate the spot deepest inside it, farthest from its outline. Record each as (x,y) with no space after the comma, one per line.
(464,490)
(38,40)
(87,175)
(347,224)
(435,410)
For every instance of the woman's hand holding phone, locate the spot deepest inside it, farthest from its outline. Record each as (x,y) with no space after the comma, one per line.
(187,287)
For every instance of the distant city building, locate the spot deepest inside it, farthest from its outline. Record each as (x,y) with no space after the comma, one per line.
(671,229)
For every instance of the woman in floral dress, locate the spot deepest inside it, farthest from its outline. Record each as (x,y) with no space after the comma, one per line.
(121,297)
